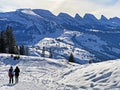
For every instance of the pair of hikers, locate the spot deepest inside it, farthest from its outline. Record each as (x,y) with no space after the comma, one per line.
(11,74)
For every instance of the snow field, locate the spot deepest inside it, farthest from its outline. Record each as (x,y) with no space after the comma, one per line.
(39,73)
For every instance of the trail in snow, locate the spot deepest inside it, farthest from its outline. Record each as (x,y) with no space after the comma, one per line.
(46,74)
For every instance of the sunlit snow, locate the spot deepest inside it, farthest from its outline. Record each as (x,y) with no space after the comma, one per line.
(39,73)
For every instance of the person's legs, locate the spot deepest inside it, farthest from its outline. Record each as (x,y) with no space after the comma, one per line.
(12,79)
(16,79)
(9,79)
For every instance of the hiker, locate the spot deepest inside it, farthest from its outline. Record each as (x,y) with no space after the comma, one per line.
(17,71)
(11,74)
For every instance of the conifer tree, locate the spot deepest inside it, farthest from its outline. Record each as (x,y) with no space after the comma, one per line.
(22,50)
(26,50)
(43,52)
(11,43)
(2,42)
(7,41)
(71,58)
(50,53)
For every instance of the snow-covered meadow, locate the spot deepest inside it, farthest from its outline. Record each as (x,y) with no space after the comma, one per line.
(39,73)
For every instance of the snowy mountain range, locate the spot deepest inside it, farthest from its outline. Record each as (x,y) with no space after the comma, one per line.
(88,38)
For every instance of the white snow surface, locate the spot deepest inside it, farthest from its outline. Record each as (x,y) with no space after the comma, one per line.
(29,11)
(62,46)
(39,73)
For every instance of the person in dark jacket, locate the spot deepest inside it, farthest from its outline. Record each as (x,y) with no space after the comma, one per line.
(11,74)
(17,71)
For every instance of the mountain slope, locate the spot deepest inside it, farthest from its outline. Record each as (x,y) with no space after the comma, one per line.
(43,73)
(88,38)
(29,24)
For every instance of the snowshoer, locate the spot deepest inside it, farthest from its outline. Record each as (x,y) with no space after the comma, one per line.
(17,71)
(11,74)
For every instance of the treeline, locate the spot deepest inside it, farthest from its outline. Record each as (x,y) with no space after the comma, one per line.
(50,52)
(8,43)
(70,58)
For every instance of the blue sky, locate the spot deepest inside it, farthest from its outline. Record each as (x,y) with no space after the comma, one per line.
(109,8)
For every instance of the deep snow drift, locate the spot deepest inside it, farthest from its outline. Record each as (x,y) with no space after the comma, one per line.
(39,73)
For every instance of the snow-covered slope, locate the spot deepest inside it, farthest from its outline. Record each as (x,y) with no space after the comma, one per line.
(39,73)
(62,47)
(26,24)
(86,37)
(95,46)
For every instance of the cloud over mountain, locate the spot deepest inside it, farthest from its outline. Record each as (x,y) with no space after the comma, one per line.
(97,7)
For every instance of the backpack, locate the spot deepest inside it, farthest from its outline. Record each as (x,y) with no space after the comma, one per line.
(11,73)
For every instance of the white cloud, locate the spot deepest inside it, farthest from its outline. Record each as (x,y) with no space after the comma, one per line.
(14,4)
(105,2)
(109,8)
